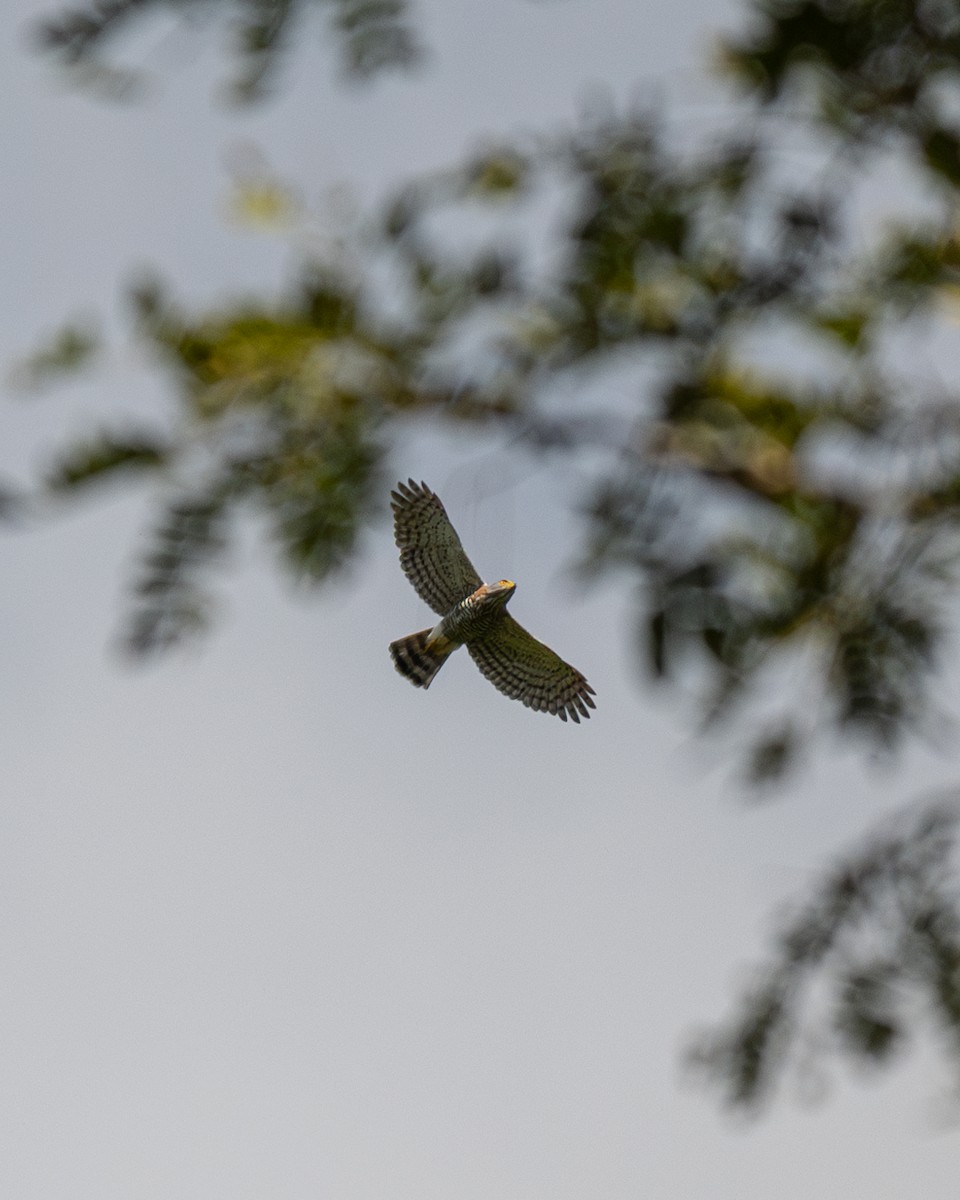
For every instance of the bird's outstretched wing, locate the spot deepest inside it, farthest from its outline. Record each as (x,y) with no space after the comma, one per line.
(527,670)
(430,551)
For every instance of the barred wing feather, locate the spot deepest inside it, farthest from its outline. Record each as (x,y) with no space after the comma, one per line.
(431,554)
(525,669)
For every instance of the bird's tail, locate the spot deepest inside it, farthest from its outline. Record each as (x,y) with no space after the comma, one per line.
(420,657)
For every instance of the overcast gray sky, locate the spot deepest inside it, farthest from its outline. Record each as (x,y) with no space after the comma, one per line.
(274,925)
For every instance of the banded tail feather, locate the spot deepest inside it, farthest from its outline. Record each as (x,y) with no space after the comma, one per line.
(419,657)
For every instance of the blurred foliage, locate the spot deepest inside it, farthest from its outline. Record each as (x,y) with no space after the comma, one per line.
(85,463)
(374,35)
(283,412)
(869,66)
(71,347)
(875,954)
(748,342)
(783,524)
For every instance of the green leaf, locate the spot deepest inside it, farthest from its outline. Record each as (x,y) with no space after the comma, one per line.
(71,348)
(771,757)
(105,457)
(941,149)
(847,326)
(866,1012)
(657,642)
(169,603)
(497,174)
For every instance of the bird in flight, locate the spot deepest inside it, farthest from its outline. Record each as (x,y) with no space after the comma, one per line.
(473,614)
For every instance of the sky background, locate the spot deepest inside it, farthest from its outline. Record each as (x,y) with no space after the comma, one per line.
(274,925)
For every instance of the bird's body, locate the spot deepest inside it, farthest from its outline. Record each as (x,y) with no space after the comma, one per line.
(421,655)
(473,614)
(477,614)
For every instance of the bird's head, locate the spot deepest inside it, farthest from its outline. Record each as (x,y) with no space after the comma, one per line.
(497,594)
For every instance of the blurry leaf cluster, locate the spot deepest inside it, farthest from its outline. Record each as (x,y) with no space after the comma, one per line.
(373,36)
(867,67)
(781,524)
(107,454)
(874,955)
(780,489)
(285,410)
(282,413)
(73,346)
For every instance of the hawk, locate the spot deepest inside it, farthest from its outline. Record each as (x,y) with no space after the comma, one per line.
(473,614)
